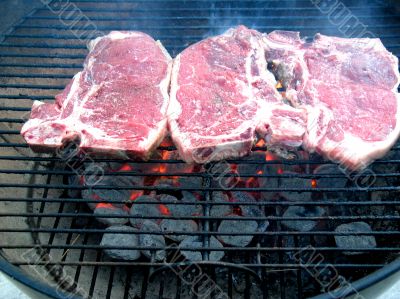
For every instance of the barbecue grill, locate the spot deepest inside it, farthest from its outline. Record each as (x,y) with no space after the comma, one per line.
(51,240)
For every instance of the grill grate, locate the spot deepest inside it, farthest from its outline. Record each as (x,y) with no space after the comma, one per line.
(38,57)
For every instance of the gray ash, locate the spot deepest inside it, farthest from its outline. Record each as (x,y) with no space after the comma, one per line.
(119,197)
(220,210)
(247,227)
(140,208)
(196,242)
(354,241)
(176,206)
(109,209)
(299,212)
(170,226)
(152,240)
(339,180)
(295,183)
(250,210)
(120,240)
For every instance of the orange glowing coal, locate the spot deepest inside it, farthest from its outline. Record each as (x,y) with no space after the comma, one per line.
(260,143)
(269,156)
(105,205)
(278,84)
(125,167)
(166,142)
(162,168)
(314,183)
(260,172)
(252,182)
(135,194)
(164,210)
(280,170)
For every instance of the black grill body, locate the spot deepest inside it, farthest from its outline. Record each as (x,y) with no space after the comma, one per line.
(38,210)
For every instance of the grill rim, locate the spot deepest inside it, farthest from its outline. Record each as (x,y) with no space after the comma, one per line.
(359,285)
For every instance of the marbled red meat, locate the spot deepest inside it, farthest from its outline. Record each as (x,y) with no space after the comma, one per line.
(116,105)
(221,93)
(348,88)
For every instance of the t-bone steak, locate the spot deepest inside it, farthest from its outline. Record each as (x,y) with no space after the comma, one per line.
(349,89)
(117,105)
(221,93)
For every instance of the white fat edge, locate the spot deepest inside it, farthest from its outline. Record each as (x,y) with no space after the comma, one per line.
(269,43)
(155,136)
(37,103)
(396,70)
(165,83)
(72,90)
(225,150)
(287,125)
(162,48)
(92,44)
(32,121)
(174,110)
(313,128)
(113,35)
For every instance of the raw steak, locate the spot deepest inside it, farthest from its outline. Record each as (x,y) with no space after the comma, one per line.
(221,92)
(349,89)
(116,105)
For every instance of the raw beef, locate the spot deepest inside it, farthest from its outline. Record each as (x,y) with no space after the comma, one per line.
(116,105)
(349,89)
(221,92)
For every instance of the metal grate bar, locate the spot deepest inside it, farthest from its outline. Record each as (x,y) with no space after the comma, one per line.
(266,203)
(199,9)
(270,218)
(317,16)
(147,264)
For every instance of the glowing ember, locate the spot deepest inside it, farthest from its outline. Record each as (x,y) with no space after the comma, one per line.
(135,194)
(269,156)
(260,143)
(252,183)
(125,167)
(280,170)
(164,210)
(166,142)
(105,205)
(260,172)
(278,85)
(314,183)
(162,168)
(233,180)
